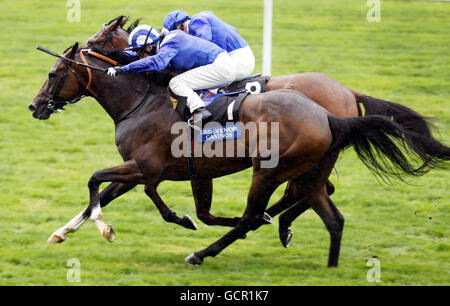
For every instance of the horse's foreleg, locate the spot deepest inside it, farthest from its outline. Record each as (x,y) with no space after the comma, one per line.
(71,226)
(287,218)
(167,214)
(127,173)
(202,190)
(113,191)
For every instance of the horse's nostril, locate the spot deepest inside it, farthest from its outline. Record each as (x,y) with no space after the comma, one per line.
(31,107)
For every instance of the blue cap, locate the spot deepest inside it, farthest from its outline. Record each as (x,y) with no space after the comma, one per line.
(175,18)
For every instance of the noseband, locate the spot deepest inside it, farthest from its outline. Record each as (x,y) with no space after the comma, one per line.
(54,104)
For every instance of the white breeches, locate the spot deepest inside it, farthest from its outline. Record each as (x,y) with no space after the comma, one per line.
(244,60)
(218,74)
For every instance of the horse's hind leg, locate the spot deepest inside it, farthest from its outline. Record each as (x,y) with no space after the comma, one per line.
(262,188)
(167,214)
(314,190)
(292,197)
(324,207)
(334,222)
(202,190)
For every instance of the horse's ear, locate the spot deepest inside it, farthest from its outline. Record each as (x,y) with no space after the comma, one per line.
(124,21)
(121,21)
(72,51)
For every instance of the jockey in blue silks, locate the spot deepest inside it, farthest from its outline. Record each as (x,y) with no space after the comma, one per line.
(204,64)
(208,26)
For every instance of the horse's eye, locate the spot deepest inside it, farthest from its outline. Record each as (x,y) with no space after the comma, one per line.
(51,75)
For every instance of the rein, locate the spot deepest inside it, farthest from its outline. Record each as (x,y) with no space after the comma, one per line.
(97,55)
(114,63)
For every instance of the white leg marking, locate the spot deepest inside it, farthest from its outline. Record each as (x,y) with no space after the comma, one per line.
(73,225)
(105,229)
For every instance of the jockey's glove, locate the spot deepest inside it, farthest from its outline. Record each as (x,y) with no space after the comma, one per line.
(114,71)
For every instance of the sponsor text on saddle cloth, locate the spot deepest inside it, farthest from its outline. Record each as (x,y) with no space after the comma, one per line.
(224,107)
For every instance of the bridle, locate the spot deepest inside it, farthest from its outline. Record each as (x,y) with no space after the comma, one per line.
(54,104)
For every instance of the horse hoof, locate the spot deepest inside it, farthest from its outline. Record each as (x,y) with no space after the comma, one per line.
(286,238)
(187,222)
(55,239)
(194,260)
(267,219)
(108,233)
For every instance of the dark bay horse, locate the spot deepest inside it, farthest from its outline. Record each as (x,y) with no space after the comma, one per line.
(309,140)
(338,99)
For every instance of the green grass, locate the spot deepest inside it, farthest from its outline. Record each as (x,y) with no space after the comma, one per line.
(45,165)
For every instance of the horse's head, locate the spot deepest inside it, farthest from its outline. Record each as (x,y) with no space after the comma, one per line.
(112,35)
(63,86)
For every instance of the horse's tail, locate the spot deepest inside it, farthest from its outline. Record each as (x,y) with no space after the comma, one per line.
(387,148)
(406,117)
(410,120)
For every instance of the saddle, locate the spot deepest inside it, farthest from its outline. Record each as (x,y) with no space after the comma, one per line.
(254,85)
(224,107)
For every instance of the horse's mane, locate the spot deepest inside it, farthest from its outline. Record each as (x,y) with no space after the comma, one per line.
(133,25)
(160,78)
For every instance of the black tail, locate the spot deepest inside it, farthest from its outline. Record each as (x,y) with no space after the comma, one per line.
(417,125)
(387,148)
(406,117)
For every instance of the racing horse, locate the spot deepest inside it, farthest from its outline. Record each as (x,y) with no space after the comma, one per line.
(309,140)
(325,91)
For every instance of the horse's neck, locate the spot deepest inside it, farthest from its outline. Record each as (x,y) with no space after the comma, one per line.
(122,96)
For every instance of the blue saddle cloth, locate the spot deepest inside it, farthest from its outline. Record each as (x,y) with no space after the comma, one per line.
(209,97)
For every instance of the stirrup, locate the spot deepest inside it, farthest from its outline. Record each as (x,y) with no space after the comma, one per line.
(191,124)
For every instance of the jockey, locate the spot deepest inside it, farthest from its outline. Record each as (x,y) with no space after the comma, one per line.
(208,26)
(204,64)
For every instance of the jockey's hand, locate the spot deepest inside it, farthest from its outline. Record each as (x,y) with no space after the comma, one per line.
(114,72)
